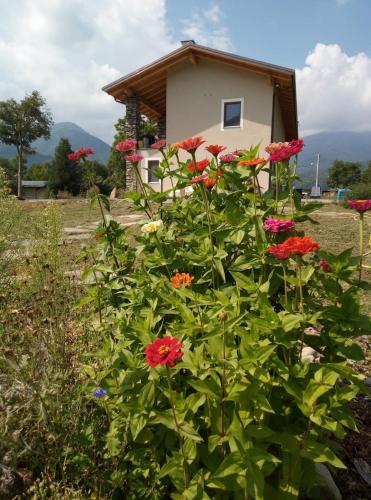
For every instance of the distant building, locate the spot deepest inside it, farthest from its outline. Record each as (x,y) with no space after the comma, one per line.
(34,190)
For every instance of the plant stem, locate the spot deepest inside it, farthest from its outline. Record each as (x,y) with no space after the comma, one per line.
(207,210)
(223,382)
(285,283)
(141,183)
(361,233)
(301,308)
(169,170)
(185,467)
(277,184)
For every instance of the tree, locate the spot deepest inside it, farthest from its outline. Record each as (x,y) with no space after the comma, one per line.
(65,174)
(39,171)
(96,173)
(21,123)
(343,174)
(10,168)
(366,175)
(116,166)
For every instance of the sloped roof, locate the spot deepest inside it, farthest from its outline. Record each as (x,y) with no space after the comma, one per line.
(149,82)
(34,184)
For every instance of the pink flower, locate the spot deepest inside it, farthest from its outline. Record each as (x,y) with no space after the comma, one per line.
(125,146)
(228,158)
(278,225)
(325,266)
(360,205)
(80,154)
(215,149)
(159,144)
(191,144)
(135,159)
(199,178)
(283,151)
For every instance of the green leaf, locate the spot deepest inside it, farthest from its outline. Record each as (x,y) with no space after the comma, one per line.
(320,453)
(209,387)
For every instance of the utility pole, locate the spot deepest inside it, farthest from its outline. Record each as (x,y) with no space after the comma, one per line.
(317,171)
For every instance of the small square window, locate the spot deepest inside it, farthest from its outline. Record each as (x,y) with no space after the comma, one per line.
(232,113)
(151,170)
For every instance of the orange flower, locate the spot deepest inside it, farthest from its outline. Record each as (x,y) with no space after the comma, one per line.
(209,182)
(181,279)
(295,245)
(214,149)
(200,165)
(191,144)
(252,163)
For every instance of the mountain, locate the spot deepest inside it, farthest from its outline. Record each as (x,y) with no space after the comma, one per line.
(77,136)
(348,146)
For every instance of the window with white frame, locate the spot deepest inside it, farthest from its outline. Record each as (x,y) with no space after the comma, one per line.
(232,113)
(151,171)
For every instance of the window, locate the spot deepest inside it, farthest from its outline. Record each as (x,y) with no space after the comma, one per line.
(151,168)
(232,111)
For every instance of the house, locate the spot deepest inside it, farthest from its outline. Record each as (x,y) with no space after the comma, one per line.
(34,190)
(195,90)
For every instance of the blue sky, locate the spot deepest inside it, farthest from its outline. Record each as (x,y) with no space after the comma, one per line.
(285,31)
(70,49)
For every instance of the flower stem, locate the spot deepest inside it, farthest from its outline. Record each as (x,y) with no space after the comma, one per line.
(142,187)
(285,283)
(301,307)
(207,210)
(361,233)
(169,171)
(223,382)
(181,441)
(277,184)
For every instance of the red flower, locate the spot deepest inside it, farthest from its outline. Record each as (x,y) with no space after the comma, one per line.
(253,162)
(228,158)
(181,279)
(134,158)
(191,144)
(159,144)
(283,151)
(295,245)
(325,266)
(209,182)
(215,150)
(219,172)
(125,146)
(199,178)
(200,165)
(80,154)
(165,351)
(360,205)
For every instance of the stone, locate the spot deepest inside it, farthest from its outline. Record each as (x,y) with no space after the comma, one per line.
(328,482)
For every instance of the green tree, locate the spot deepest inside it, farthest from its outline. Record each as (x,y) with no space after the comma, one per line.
(366,174)
(65,174)
(95,173)
(21,123)
(10,168)
(343,174)
(116,165)
(39,171)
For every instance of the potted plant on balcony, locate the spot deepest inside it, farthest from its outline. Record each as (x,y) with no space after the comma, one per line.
(148,131)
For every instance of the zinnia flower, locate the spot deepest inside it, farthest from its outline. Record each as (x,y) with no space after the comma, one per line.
(219,172)
(215,150)
(191,144)
(360,205)
(279,251)
(80,154)
(274,147)
(152,227)
(199,178)
(278,225)
(325,266)
(165,351)
(253,162)
(209,182)
(286,151)
(99,393)
(295,245)
(159,144)
(136,158)
(181,279)
(200,165)
(125,146)
(228,158)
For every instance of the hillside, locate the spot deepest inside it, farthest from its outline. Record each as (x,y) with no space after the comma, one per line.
(77,136)
(349,146)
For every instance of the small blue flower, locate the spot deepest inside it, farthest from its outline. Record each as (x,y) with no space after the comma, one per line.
(99,393)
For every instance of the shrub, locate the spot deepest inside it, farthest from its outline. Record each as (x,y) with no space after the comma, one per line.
(359,192)
(225,332)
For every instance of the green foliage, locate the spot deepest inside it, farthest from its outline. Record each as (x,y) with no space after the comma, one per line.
(39,171)
(116,166)
(65,174)
(343,174)
(243,414)
(94,173)
(10,169)
(21,123)
(361,191)
(366,174)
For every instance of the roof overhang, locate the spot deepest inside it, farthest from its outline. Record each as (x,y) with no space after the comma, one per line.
(149,82)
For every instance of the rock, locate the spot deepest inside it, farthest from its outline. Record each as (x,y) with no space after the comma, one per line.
(329,484)
(363,469)
(368,381)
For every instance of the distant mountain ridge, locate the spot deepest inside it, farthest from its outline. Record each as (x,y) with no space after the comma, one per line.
(347,146)
(77,137)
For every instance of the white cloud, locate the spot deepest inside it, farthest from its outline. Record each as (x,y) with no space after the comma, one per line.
(342,2)
(334,91)
(69,49)
(206,28)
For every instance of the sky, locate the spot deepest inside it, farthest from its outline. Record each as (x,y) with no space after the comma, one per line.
(70,49)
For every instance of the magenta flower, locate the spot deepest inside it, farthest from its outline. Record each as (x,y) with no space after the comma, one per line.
(199,178)
(80,154)
(278,225)
(228,158)
(360,205)
(159,144)
(135,159)
(325,266)
(285,151)
(125,146)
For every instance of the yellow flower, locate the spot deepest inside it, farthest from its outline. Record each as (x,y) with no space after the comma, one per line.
(153,226)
